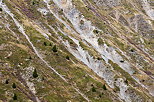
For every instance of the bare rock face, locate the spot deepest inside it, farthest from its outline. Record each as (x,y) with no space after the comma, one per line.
(108,3)
(77,50)
(143,26)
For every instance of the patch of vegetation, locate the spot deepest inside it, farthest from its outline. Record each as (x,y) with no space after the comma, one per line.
(119,69)
(7,81)
(35,75)
(14,96)
(116,88)
(93,89)
(104,87)
(66,38)
(0,9)
(14,85)
(132,50)
(98,58)
(100,41)
(81,22)
(67,57)
(120,44)
(54,49)
(96,31)
(35,2)
(45,44)
(60,12)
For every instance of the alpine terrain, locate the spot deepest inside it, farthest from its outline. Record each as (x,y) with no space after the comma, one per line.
(76,50)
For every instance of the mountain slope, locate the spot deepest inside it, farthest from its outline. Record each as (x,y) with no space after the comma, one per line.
(77,50)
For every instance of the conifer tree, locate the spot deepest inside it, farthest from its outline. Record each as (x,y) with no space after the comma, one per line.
(14,85)
(104,87)
(54,49)
(45,43)
(14,97)
(35,75)
(93,89)
(67,57)
(7,81)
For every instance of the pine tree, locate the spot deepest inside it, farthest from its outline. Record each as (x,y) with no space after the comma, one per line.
(104,87)
(30,57)
(35,75)
(7,81)
(126,81)
(98,58)
(93,89)
(14,97)
(33,3)
(45,43)
(54,49)
(67,57)
(50,44)
(0,9)
(14,85)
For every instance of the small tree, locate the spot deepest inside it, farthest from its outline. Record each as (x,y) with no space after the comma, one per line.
(104,87)
(132,50)
(126,81)
(14,97)
(82,22)
(96,31)
(54,49)
(45,43)
(14,85)
(0,9)
(100,96)
(93,89)
(7,81)
(98,58)
(50,44)
(30,57)
(100,41)
(35,75)
(67,57)
(71,42)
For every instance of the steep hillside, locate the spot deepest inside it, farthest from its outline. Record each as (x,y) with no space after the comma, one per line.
(77,50)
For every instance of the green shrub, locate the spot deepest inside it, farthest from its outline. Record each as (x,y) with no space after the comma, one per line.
(35,75)
(67,57)
(7,81)
(93,89)
(30,57)
(96,31)
(126,81)
(104,87)
(60,12)
(54,49)
(82,22)
(14,85)
(14,97)
(35,2)
(98,58)
(100,96)
(116,89)
(45,43)
(100,41)
(50,44)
